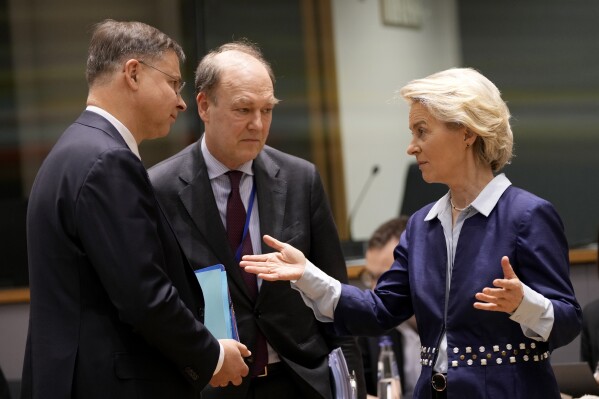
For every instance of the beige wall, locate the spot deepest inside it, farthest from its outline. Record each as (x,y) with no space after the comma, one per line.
(374,60)
(50,40)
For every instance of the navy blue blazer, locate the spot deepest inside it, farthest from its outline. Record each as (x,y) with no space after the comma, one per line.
(293,208)
(115,309)
(489,356)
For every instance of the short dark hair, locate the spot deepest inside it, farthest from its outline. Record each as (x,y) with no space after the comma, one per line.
(208,72)
(388,230)
(113,42)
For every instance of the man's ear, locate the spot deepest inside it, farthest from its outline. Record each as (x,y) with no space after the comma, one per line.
(131,72)
(203,105)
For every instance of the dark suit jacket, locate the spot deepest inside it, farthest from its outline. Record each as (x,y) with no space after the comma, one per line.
(115,310)
(293,208)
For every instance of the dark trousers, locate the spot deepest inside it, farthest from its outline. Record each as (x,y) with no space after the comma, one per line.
(280,382)
(277,384)
(439,395)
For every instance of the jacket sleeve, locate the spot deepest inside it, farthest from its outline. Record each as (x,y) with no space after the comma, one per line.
(542,264)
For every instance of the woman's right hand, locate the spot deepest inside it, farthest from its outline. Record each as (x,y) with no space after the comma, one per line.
(288,263)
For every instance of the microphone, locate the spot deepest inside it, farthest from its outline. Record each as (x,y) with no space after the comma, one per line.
(354,209)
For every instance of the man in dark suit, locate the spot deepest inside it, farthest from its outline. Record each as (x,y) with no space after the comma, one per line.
(115,310)
(282,195)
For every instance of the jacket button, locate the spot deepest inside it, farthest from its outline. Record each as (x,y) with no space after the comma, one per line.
(250,359)
(191,373)
(257,314)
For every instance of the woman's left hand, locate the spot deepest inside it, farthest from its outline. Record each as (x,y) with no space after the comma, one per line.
(507,296)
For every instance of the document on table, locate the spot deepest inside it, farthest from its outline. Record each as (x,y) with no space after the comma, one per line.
(219,315)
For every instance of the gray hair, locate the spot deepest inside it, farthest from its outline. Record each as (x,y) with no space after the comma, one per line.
(209,70)
(464,97)
(114,42)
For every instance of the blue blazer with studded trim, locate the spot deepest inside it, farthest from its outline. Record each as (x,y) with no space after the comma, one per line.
(489,356)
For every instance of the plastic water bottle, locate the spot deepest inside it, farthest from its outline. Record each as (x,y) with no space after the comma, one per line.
(389,386)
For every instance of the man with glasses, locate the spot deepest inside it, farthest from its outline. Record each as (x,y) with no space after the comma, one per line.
(177,83)
(115,309)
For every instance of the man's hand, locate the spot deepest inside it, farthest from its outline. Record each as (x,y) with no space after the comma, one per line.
(507,296)
(233,368)
(286,264)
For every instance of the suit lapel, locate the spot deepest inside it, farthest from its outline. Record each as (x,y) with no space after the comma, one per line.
(271,190)
(198,200)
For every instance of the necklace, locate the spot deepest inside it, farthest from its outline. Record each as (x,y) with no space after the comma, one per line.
(455,207)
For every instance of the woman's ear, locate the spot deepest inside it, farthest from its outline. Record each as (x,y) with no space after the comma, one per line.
(469,137)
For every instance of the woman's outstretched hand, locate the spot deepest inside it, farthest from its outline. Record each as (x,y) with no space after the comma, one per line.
(287,263)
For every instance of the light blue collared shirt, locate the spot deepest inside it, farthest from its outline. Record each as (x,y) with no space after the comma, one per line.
(221,187)
(535,313)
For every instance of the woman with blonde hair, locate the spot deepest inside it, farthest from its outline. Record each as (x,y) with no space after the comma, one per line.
(484,269)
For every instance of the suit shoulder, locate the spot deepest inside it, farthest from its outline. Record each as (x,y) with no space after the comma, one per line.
(84,146)
(518,199)
(287,161)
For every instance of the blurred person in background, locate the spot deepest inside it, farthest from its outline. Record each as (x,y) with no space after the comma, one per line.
(406,343)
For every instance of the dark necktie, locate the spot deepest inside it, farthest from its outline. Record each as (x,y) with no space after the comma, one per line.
(236,216)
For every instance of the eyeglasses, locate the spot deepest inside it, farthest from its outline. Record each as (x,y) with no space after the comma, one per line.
(178,84)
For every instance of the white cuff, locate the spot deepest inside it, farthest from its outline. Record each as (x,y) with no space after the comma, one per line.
(319,291)
(221,359)
(535,315)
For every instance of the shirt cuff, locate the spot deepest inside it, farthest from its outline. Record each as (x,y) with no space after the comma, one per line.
(535,315)
(221,359)
(319,291)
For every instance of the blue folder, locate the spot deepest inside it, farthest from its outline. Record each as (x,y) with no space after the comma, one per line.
(219,316)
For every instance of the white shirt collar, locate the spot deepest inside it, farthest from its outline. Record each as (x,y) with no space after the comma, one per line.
(122,129)
(483,203)
(216,168)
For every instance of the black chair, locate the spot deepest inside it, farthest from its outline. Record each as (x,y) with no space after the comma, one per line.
(4,392)
(418,193)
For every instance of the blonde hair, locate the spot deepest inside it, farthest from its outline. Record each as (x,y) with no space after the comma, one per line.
(463,96)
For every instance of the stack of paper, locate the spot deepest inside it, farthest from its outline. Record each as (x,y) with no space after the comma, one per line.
(219,316)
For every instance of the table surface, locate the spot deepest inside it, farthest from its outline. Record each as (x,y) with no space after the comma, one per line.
(354,268)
